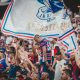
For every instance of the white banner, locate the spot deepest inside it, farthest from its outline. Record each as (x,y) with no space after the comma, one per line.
(26,18)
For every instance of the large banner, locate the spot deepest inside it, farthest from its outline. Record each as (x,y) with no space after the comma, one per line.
(26,18)
(29,17)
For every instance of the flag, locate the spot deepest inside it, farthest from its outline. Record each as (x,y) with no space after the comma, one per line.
(22,19)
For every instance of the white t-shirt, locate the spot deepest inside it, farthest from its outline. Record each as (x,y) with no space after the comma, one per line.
(58,67)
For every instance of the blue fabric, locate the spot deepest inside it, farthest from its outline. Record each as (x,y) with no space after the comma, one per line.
(45,68)
(56,5)
(2,50)
(41,1)
(3,65)
(8,0)
(12,71)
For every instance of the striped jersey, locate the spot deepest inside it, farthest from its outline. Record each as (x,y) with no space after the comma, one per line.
(47,44)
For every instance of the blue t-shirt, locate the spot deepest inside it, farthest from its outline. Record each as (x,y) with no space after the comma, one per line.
(3,65)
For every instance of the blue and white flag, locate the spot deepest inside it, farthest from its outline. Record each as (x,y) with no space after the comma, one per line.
(29,17)
(47,18)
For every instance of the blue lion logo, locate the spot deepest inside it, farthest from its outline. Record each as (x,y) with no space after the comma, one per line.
(45,14)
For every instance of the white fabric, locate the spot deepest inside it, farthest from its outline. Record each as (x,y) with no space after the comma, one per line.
(58,67)
(27,18)
(30,17)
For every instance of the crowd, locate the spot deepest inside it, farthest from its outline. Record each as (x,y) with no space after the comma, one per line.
(38,59)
